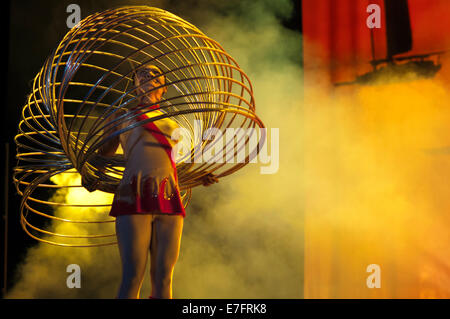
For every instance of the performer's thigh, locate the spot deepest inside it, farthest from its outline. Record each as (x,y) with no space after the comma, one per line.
(133,236)
(166,240)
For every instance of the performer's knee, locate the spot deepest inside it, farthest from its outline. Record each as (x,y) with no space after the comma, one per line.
(163,276)
(133,273)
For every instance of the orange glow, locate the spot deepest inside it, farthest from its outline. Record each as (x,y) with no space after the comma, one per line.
(378,166)
(377,160)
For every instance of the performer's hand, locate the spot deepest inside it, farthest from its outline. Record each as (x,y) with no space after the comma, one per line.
(89,186)
(209,179)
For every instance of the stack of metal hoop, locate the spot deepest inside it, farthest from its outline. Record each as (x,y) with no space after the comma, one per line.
(89,77)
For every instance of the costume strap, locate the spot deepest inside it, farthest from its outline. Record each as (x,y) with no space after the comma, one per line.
(159,136)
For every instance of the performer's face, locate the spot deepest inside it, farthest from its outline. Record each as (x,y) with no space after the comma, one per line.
(147,79)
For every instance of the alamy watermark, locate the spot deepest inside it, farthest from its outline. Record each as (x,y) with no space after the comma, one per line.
(374,279)
(374,19)
(74,17)
(233,145)
(74,279)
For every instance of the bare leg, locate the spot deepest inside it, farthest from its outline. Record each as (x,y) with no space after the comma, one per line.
(133,236)
(165,247)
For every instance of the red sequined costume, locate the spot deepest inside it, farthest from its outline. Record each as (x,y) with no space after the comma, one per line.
(149,184)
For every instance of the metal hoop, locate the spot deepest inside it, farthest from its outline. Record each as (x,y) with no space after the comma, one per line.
(84,83)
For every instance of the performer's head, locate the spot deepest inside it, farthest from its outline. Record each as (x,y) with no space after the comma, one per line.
(149,84)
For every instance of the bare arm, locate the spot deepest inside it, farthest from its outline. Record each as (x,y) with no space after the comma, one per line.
(110,147)
(107,149)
